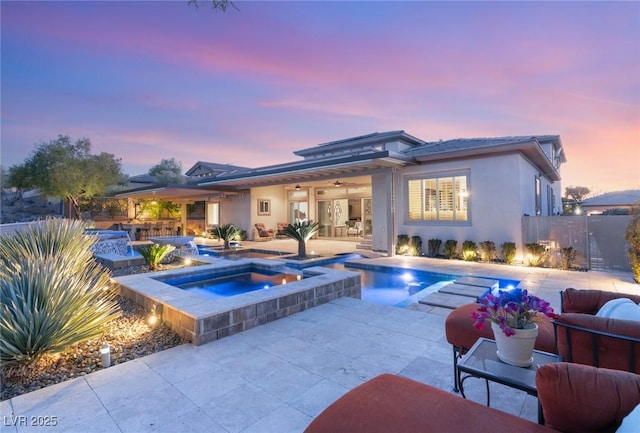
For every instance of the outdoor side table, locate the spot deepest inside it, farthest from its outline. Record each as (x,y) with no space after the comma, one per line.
(482,361)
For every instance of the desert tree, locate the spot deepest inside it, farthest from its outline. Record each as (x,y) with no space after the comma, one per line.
(221,5)
(168,171)
(67,170)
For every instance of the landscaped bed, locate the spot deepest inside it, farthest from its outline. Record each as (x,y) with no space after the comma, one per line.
(129,337)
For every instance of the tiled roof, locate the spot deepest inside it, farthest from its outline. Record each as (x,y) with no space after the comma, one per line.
(617,198)
(458,144)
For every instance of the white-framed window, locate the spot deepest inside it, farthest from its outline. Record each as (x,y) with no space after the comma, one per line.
(538,193)
(439,198)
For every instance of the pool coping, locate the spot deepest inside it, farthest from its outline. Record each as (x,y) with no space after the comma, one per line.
(200,320)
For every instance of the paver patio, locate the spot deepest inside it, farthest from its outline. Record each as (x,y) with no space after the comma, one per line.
(278,376)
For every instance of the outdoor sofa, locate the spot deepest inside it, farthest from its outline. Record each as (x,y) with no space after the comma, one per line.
(574,399)
(576,334)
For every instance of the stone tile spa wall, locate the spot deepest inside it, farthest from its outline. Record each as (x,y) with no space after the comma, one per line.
(201,320)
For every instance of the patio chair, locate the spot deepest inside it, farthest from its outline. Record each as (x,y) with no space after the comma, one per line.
(280,230)
(262,233)
(157,229)
(585,336)
(354,228)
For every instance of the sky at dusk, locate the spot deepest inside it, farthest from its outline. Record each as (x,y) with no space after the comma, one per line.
(148,80)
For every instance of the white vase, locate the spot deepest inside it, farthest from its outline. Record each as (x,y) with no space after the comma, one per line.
(516,349)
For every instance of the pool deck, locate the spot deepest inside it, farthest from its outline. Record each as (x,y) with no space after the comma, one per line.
(277,377)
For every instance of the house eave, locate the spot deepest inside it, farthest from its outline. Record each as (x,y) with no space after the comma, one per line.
(530,149)
(313,170)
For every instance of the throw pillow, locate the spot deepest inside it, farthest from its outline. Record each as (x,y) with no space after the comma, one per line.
(621,308)
(630,422)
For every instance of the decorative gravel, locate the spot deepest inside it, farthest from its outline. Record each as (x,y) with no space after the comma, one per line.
(129,337)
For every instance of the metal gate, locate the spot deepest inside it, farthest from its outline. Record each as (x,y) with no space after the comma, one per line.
(598,239)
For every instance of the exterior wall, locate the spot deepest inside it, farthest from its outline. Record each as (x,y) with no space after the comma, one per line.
(236,210)
(496,208)
(527,174)
(383,214)
(278,212)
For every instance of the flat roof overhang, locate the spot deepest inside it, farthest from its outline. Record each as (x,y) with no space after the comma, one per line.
(175,193)
(312,171)
(294,173)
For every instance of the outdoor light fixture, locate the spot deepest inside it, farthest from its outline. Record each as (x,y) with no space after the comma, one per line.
(298,187)
(105,355)
(156,314)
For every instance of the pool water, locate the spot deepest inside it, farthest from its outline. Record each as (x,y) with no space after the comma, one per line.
(237,254)
(392,287)
(230,285)
(381,285)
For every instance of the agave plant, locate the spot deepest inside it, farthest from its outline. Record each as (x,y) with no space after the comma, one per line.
(228,233)
(153,254)
(53,293)
(301,231)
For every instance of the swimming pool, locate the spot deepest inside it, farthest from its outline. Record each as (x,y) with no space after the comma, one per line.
(388,285)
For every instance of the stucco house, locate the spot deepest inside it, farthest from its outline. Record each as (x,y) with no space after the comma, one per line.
(390,183)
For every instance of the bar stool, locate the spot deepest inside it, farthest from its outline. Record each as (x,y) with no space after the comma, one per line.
(169,228)
(146,227)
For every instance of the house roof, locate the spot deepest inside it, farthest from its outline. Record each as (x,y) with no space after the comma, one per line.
(614,199)
(368,141)
(212,169)
(530,146)
(177,193)
(354,156)
(312,170)
(363,155)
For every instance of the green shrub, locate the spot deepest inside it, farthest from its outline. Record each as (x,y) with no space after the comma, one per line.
(228,233)
(301,231)
(469,252)
(433,246)
(568,257)
(409,246)
(508,252)
(402,245)
(632,236)
(416,245)
(488,251)
(154,253)
(537,254)
(450,248)
(53,293)
(617,211)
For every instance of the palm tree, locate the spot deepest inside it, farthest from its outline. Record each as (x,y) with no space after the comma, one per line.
(301,231)
(227,232)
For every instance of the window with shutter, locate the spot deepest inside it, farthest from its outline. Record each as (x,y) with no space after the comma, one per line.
(442,198)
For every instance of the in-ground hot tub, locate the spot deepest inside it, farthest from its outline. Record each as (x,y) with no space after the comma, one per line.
(215,286)
(201,320)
